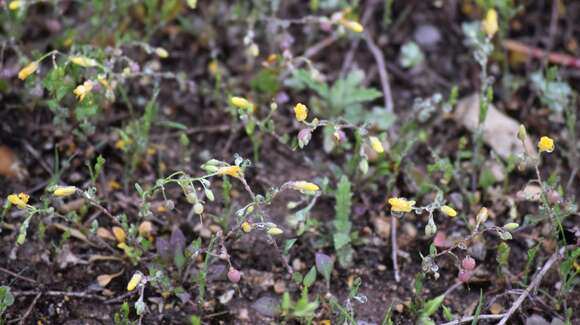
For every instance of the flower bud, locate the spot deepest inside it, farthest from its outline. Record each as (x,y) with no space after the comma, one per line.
(246,227)
(119,234)
(554,197)
(234,275)
(191,198)
(304,137)
(169,204)
(275,231)
(511,226)
(468,263)
(522,134)
(482,216)
(145,229)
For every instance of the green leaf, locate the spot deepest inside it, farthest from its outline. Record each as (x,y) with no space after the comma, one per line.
(266,81)
(310,277)
(431,306)
(341,240)
(302,79)
(478,309)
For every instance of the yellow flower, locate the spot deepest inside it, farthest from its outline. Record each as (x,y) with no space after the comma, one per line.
(213,67)
(352,25)
(63,191)
(376,144)
(20,200)
(399,204)
(241,102)
(119,234)
(28,70)
(135,280)
(275,231)
(489,24)
(546,144)
(449,211)
(301,112)
(15,5)
(246,227)
(83,61)
(303,186)
(104,82)
(161,52)
(234,171)
(82,90)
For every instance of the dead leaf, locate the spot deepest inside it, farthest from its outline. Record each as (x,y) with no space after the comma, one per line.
(104,279)
(66,257)
(104,233)
(499,130)
(73,232)
(10,165)
(530,193)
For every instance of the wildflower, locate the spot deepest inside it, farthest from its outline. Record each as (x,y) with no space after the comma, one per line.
(241,102)
(123,143)
(546,144)
(275,231)
(135,280)
(489,24)
(234,171)
(246,227)
(449,211)
(464,275)
(83,61)
(20,200)
(213,67)
(15,5)
(354,26)
(104,82)
(119,234)
(399,204)
(303,186)
(28,70)
(82,90)
(376,145)
(301,112)
(64,191)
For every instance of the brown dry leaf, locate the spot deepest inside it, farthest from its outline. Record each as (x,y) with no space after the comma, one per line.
(104,233)
(96,258)
(73,232)
(104,279)
(9,164)
(530,193)
(499,130)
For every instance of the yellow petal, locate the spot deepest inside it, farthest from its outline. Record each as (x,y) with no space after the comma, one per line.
(303,186)
(119,234)
(134,282)
(246,227)
(275,231)
(546,144)
(15,5)
(28,70)
(241,102)
(301,112)
(449,211)
(489,24)
(63,191)
(376,144)
(401,204)
(83,61)
(234,171)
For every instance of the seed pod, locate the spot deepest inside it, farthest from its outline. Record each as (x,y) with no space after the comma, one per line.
(198,208)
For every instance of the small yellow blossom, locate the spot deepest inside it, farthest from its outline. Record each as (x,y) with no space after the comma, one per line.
(28,70)
(119,234)
(122,144)
(15,5)
(20,200)
(63,191)
(449,211)
(489,24)
(546,144)
(114,185)
(399,204)
(234,171)
(303,186)
(213,67)
(354,26)
(104,82)
(246,227)
(376,144)
(161,52)
(135,280)
(275,231)
(83,61)
(82,90)
(241,102)
(301,112)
